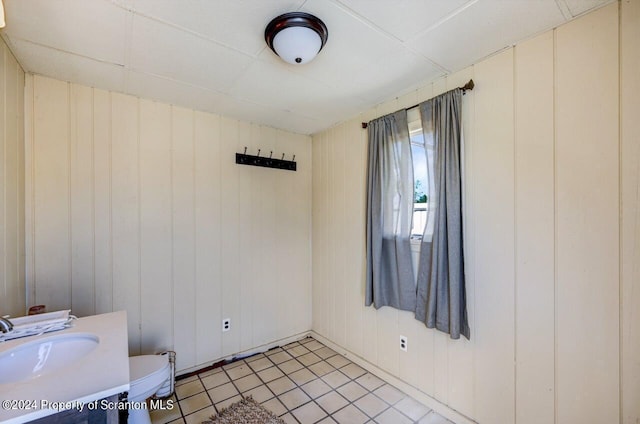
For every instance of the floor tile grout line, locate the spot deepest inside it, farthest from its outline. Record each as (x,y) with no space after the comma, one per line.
(334,389)
(233,384)
(294,356)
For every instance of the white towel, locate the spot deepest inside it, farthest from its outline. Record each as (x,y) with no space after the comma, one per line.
(33,325)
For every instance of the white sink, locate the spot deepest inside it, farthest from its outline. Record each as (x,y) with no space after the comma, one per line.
(45,355)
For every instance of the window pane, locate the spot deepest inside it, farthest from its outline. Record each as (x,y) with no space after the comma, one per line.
(421,184)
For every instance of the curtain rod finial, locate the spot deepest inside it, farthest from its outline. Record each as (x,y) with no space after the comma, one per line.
(468,86)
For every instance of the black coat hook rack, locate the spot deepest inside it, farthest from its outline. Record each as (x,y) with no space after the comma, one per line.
(266,162)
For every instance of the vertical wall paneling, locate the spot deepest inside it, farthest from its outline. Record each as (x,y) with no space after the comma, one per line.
(8,206)
(82,212)
(51,194)
(247,204)
(183,234)
(494,187)
(587,240)
(8,187)
(125,212)
(270,250)
(544,178)
(329,298)
(534,149)
(630,228)
(339,259)
(261,213)
(316,186)
(208,285)
(230,229)
(320,233)
(12,279)
(282,230)
(147,211)
(18,292)
(102,217)
(292,271)
(155,226)
(29,197)
(355,229)
(9,180)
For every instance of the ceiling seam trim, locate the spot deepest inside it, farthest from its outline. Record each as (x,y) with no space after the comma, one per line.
(389,35)
(93,59)
(195,34)
(564,9)
(163,77)
(443,20)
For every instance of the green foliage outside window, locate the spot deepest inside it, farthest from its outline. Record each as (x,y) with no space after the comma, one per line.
(419,194)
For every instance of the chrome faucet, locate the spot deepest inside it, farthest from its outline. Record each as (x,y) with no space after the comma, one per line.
(5,325)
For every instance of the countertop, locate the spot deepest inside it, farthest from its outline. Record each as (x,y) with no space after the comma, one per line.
(102,373)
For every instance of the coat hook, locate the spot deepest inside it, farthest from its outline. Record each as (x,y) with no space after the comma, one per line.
(245,150)
(258,152)
(282,156)
(294,158)
(271,154)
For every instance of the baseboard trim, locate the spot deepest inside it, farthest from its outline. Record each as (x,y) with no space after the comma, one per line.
(417,394)
(244,353)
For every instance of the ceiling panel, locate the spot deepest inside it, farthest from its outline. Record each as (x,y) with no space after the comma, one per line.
(199,98)
(578,7)
(95,29)
(210,54)
(351,46)
(273,117)
(163,50)
(394,74)
(236,23)
(403,18)
(358,59)
(484,28)
(175,92)
(69,67)
(261,84)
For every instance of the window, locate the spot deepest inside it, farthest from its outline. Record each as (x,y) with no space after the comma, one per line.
(422,154)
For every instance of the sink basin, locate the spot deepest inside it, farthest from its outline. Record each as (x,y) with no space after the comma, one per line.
(35,358)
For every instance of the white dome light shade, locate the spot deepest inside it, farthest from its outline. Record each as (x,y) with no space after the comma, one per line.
(297,45)
(296,37)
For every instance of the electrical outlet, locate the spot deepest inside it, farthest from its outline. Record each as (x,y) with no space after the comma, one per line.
(226,324)
(403,343)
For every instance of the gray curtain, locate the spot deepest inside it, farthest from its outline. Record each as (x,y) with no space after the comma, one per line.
(441,297)
(389,279)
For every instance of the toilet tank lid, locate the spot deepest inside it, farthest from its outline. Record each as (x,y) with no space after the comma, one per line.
(144,365)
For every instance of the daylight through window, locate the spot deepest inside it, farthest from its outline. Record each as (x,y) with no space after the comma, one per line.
(422,153)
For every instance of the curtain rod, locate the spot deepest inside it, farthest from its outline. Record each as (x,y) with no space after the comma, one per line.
(464,88)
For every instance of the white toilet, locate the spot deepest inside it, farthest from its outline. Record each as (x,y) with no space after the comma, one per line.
(148,375)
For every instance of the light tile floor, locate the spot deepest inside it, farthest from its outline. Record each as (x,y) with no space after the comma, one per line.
(303,382)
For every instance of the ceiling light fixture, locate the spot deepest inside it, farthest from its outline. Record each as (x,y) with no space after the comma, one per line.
(296,37)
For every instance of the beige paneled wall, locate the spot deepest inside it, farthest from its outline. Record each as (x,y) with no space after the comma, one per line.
(551,221)
(12,277)
(587,219)
(139,205)
(630,209)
